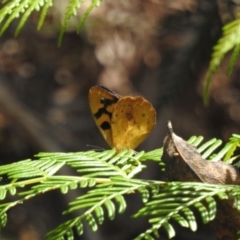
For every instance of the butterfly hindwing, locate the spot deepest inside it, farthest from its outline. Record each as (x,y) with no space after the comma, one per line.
(132,121)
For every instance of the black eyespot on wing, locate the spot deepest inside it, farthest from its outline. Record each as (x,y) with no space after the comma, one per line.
(105,126)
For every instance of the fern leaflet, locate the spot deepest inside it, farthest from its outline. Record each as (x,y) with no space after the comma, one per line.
(230,40)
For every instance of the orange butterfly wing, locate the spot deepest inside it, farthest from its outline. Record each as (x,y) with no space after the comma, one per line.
(102,101)
(123,121)
(132,121)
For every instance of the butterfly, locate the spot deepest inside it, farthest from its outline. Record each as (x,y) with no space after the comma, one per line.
(123,121)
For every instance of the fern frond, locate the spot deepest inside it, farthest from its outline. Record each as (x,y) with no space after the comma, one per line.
(8,8)
(85,15)
(107,163)
(35,6)
(64,183)
(215,143)
(229,40)
(43,13)
(177,201)
(208,149)
(107,177)
(3,220)
(70,12)
(104,197)
(28,169)
(233,59)
(232,146)
(14,9)
(7,188)
(95,3)
(94,167)
(225,153)
(3,211)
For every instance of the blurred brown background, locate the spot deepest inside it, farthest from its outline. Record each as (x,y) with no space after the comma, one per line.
(159,49)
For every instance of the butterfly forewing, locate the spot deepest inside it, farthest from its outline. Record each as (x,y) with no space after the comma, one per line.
(102,101)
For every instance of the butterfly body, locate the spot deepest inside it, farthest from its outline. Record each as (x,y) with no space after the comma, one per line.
(123,121)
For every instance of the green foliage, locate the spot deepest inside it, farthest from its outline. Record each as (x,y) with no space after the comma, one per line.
(177,202)
(108,178)
(14,9)
(230,149)
(229,41)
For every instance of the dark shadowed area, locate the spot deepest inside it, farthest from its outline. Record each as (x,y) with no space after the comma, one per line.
(155,48)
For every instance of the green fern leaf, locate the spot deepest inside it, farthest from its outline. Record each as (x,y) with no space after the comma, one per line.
(163,201)
(64,230)
(206,145)
(233,59)
(232,146)
(107,195)
(91,222)
(7,188)
(121,203)
(169,229)
(85,15)
(29,169)
(110,208)
(3,220)
(12,10)
(87,183)
(70,12)
(180,220)
(99,214)
(13,13)
(220,155)
(35,5)
(176,202)
(195,141)
(237,202)
(69,235)
(203,211)
(79,227)
(8,8)
(190,218)
(3,193)
(106,164)
(211,149)
(43,13)
(154,155)
(228,41)
(64,189)
(145,194)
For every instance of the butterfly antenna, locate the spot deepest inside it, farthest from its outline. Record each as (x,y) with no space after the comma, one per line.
(95,148)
